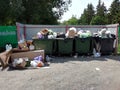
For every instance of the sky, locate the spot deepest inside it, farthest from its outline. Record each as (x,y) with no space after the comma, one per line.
(78,7)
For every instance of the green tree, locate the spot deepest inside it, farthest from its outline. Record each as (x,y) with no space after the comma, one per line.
(98,20)
(44,11)
(16,10)
(10,10)
(91,13)
(83,18)
(72,21)
(115,12)
(87,15)
(4,7)
(32,11)
(101,15)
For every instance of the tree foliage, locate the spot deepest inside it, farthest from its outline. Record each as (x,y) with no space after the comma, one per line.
(98,20)
(32,11)
(101,15)
(87,15)
(72,21)
(49,11)
(115,12)
(83,18)
(4,6)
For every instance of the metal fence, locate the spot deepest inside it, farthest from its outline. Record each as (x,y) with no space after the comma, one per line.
(31,30)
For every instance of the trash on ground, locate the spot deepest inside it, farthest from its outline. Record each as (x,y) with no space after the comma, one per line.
(97,69)
(45,67)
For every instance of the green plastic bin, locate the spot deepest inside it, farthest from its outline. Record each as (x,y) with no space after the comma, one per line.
(83,45)
(106,45)
(49,45)
(65,46)
(8,34)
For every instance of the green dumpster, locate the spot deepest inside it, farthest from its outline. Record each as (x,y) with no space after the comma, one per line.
(49,45)
(8,35)
(83,45)
(65,46)
(107,45)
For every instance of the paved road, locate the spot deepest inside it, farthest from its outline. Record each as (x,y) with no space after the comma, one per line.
(66,73)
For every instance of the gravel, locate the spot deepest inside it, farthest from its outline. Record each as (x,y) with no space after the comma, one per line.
(66,73)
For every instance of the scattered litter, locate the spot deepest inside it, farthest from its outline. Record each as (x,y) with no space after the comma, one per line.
(25,62)
(8,47)
(76,55)
(48,60)
(97,69)
(31,47)
(46,67)
(97,55)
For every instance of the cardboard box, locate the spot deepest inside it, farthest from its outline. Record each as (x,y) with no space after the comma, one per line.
(29,54)
(4,58)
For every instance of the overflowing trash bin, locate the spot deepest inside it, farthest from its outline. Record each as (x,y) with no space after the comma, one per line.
(45,39)
(83,45)
(103,45)
(104,42)
(75,42)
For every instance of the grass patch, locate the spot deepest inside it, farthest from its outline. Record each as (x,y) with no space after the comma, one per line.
(118,49)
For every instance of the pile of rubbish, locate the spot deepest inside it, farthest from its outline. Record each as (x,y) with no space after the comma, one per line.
(38,61)
(23,45)
(46,34)
(72,33)
(25,62)
(104,33)
(95,37)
